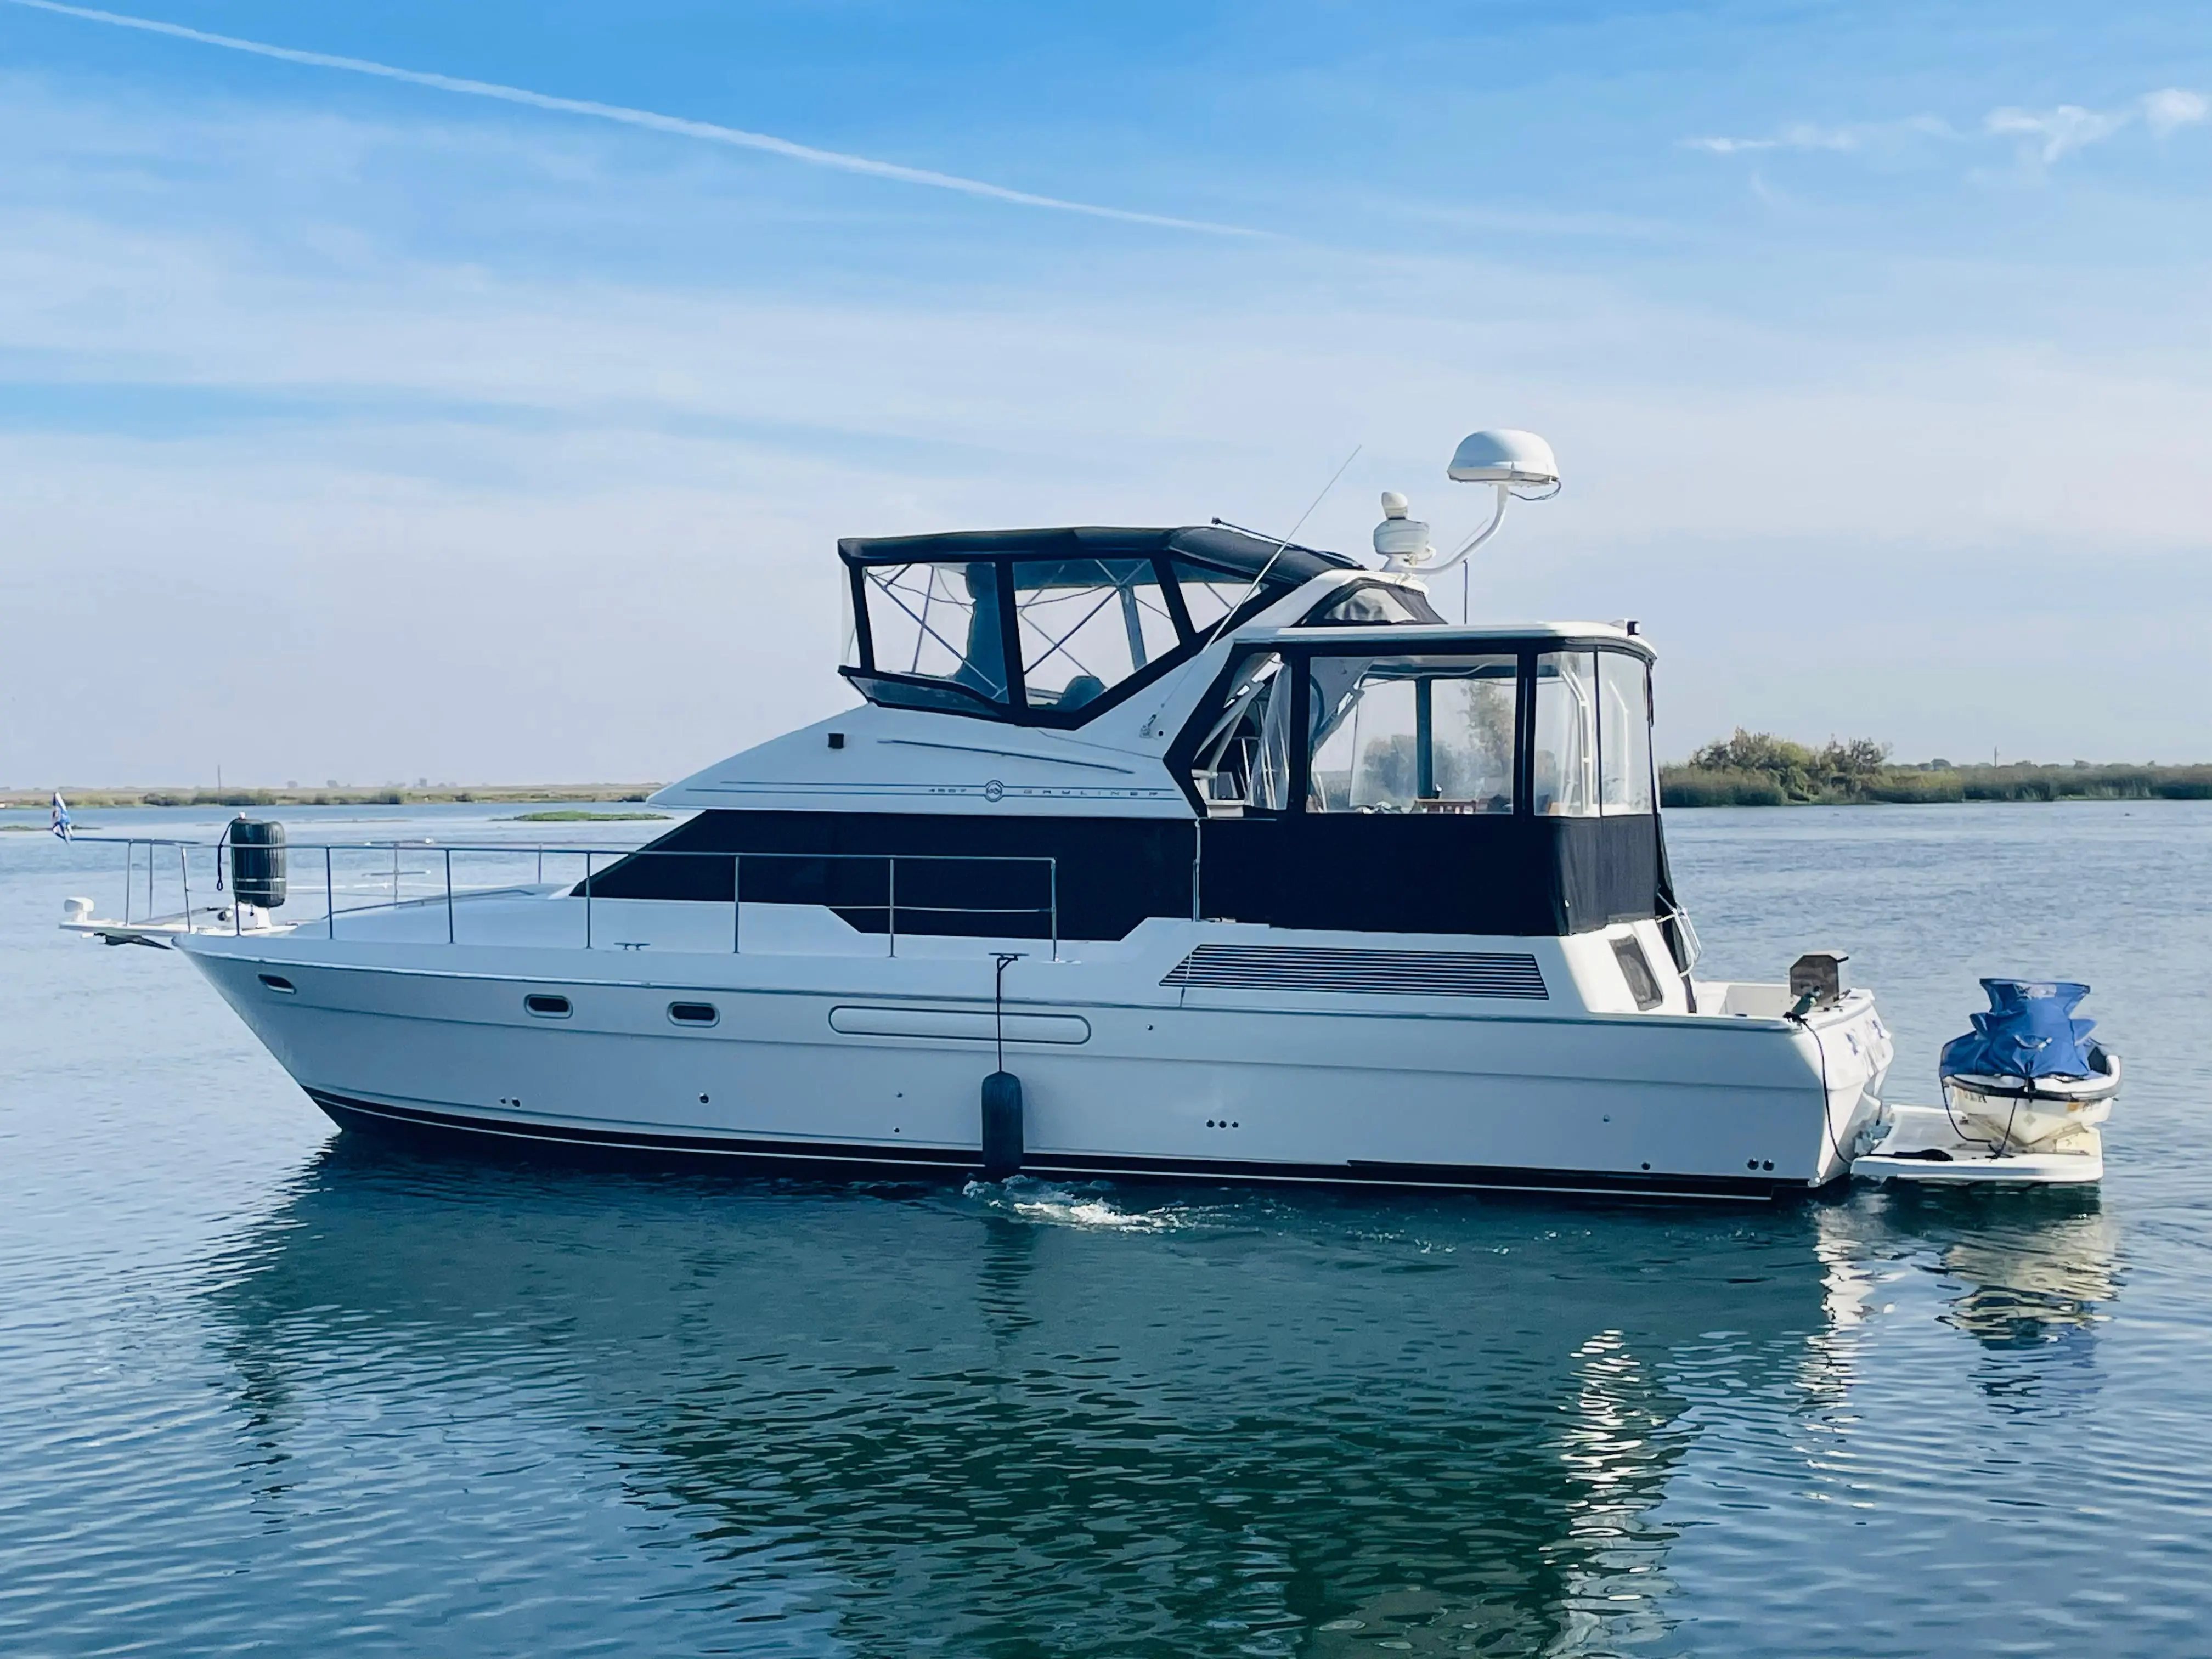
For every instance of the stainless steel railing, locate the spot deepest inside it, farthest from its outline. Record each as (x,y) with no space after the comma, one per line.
(442,890)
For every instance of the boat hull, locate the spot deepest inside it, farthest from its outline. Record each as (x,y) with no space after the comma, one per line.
(873,1069)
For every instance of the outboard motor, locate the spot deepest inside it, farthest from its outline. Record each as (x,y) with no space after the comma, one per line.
(257,862)
(2028,1077)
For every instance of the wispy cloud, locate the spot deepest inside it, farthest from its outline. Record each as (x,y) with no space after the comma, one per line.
(648,119)
(2174,108)
(2051,135)
(2045,136)
(1858,135)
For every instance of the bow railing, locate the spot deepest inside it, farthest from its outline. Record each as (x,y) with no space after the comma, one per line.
(909,895)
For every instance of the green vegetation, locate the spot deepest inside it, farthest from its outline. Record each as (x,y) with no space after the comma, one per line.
(573,815)
(1757,769)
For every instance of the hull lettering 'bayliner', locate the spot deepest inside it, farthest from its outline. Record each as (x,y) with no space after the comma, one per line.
(1218,856)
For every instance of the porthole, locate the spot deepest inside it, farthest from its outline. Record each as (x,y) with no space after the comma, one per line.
(278,982)
(546,1007)
(693,1013)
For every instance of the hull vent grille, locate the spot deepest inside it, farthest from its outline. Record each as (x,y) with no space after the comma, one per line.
(1391,973)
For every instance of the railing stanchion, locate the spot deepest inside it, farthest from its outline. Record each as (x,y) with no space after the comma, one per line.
(737,904)
(588,900)
(449,896)
(890,892)
(1052,875)
(129,869)
(541,867)
(184,879)
(329,899)
(395,872)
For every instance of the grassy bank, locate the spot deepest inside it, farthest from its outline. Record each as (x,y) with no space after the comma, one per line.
(1757,769)
(334,795)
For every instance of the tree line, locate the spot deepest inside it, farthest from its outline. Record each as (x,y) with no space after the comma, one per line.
(1757,769)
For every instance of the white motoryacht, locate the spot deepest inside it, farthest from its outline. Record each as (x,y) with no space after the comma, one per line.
(1186,853)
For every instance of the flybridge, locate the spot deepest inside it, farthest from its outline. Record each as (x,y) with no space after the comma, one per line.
(1052,627)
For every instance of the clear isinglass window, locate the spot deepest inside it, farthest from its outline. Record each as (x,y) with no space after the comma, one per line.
(1624,733)
(1592,736)
(939,621)
(1412,734)
(1085,625)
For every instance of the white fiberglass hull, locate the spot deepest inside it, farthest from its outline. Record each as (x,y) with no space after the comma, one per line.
(872,1064)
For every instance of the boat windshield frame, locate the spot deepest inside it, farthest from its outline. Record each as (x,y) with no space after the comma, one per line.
(1297,647)
(1262,572)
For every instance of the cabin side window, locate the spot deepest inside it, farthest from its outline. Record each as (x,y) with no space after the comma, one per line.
(939,622)
(1412,734)
(1563,780)
(1593,745)
(1624,733)
(1085,625)
(1244,758)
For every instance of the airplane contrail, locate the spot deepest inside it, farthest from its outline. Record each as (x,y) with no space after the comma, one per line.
(648,119)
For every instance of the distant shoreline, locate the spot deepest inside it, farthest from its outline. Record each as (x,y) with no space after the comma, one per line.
(1680,787)
(1936,783)
(498,794)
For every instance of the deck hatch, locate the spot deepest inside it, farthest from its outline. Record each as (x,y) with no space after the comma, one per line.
(1387,973)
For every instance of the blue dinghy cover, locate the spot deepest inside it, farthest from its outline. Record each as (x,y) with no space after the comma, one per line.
(2029,1031)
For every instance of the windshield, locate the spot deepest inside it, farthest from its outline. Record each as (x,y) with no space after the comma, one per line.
(1413,734)
(1493,728)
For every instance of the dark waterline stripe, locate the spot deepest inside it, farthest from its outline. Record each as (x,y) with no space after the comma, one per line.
(851,1160)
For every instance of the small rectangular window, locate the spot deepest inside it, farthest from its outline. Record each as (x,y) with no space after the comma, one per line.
(1565,769)
(546,1007)
(693,1013)
(1636,968)
(1624,733)
(277,982)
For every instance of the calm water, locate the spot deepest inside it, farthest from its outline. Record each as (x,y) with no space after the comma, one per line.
(263,1389)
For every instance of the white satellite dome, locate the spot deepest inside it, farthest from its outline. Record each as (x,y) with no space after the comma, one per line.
(1504,456)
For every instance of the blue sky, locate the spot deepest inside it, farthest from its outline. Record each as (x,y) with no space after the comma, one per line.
(360,429)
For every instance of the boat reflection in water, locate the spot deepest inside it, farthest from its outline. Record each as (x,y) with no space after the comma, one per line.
(1035,1419)
(2030,1283)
